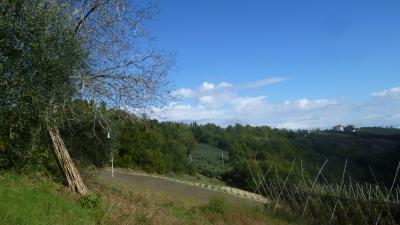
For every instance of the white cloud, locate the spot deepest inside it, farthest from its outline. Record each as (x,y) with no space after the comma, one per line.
(183,92)
(207,86)
(261,83)
(251,105)
(225,85)
(302,103)
(218,95)
(206,99)
(306,104)
(222,104)
(391,91)
(248,101)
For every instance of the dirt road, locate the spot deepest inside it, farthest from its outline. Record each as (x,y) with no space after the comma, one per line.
(179,188)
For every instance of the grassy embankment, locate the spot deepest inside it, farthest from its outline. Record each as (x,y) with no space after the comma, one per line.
(36,200)
(25,200)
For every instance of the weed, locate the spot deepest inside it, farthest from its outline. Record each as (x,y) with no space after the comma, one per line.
(216,206)
(90,201)
(142,219)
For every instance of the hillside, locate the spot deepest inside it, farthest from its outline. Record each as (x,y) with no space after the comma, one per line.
(36,200)
(86,86)
(370,149)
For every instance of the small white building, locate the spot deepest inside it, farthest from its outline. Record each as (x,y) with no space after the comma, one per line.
(339,128)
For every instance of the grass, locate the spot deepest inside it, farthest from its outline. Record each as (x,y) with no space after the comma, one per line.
(38,200)
(128,204)
(24,200)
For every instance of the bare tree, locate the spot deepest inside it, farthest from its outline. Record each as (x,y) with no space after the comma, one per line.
(126,72)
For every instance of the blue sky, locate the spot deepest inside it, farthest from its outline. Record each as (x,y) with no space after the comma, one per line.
(293,64)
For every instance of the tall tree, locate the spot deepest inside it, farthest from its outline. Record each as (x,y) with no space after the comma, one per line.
(126,71)
(39,53)
(55,51)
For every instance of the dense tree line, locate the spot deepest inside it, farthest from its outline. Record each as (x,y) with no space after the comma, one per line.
(159,145)
(164,147)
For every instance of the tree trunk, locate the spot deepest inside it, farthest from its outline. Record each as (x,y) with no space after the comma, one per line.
(74,180)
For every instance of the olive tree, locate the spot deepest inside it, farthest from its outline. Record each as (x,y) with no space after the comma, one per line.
(39,55)
(55,51)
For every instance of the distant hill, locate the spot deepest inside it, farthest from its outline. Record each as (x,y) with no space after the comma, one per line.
(376,149)
(372,153)
(379,131)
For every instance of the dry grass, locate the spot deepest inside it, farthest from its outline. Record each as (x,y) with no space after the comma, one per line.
(127,204)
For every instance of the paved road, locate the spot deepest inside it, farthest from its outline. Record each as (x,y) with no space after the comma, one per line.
(175,188)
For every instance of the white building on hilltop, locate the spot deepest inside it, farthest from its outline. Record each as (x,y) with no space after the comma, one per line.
(339,128)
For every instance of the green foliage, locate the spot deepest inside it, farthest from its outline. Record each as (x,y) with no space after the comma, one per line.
(280,147)
(90,201)
(85,138)
(207,160)
(152,146)
(39,55)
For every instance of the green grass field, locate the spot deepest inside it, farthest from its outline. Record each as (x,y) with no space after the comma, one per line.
(30,201)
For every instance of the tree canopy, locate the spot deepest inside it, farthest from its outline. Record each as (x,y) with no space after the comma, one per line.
(39,56)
